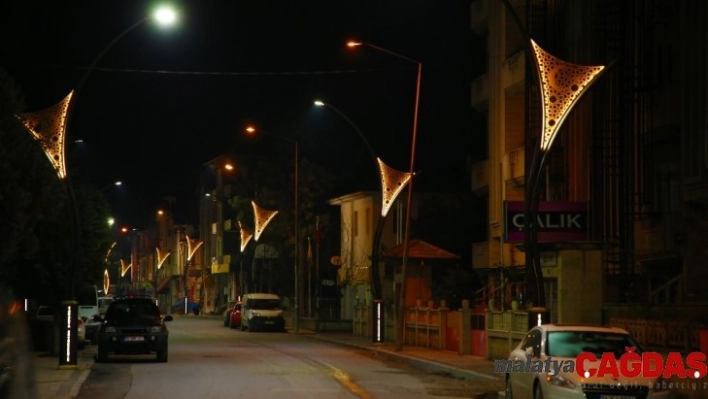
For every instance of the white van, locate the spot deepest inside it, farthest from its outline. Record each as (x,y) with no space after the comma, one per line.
(261,311)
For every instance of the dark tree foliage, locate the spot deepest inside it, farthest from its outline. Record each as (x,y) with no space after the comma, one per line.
(36,226)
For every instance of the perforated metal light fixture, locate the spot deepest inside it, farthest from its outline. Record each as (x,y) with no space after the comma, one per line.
(161,258)
(48,126)
(392,182)
(192,246)
(562,84)
(124,268)
(263,217)
(246,236)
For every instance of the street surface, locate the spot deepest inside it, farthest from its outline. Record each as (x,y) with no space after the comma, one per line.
(208,360)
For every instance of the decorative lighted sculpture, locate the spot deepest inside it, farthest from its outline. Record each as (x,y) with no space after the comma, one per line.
(392,182)
(562,84)
(192,246)
(106,281)
(48,126)
(263,217)
(124,268)
(161,258)
(245,236)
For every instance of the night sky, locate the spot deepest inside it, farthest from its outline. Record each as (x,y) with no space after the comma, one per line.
(162,102)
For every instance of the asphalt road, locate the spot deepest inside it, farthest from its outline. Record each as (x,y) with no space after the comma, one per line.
(208,360)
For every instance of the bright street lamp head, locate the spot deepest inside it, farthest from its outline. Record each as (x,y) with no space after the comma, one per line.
(352,44)
(228,166)
(319,103)
(165,15)
(251,129)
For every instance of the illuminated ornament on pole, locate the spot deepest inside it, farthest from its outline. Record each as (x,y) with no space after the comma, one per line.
(108,253)
(124,268)
(192,246)
(161,258)
(562,85)
(49,128)
(392,182)
(106,281)
(263,217)
(245,236)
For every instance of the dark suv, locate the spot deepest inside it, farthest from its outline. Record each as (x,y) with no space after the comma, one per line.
(133,326)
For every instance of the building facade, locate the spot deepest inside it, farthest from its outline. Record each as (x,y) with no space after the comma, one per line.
(633,149)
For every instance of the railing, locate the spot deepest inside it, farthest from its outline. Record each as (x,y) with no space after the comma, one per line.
(426,326)
(669,292)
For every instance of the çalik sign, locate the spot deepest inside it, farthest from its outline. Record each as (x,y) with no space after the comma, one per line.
(557,221)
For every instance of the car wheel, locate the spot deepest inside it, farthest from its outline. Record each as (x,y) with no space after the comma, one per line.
(537,393)
(102,355)
(231,324)
(508,393)
(162,354)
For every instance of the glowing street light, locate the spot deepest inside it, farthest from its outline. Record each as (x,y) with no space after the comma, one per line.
(406,235)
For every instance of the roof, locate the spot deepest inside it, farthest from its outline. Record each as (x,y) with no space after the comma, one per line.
(419,249)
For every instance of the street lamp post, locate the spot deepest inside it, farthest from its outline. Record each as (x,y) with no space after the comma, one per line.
(409,199)
(253,130)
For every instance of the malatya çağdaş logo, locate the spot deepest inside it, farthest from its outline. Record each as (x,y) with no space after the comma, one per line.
(630,364)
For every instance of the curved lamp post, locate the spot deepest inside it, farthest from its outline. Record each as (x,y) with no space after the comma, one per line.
(262,218)
(253,130)
(409,200)
(562,85)
(358,131)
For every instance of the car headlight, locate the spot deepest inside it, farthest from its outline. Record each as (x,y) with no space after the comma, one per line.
(155,329)
(560,381)
(110,329)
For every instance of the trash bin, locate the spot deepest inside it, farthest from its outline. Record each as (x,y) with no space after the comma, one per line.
(538,316)
(703,340)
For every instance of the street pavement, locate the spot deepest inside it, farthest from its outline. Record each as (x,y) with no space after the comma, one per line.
(53,383)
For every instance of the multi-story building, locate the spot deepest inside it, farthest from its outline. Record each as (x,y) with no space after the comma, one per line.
(633,149)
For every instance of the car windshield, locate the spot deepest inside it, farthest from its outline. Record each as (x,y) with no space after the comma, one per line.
(124,311)
(573,343)
(264,304)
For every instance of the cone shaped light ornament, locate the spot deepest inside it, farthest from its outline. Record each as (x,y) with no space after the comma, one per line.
(263,217)
(106,282)
(124,268)
(161,258)
(108,253)
(48,126)
(192,246)
(245,236)
(562,85)
(392,182)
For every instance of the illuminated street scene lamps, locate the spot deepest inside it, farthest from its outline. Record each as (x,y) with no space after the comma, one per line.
(562,85)
(296,209)
(409,200)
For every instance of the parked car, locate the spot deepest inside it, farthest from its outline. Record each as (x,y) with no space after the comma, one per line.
(560,343)
(227,312)
(46,313)
(262,312)
(235,315)
(133,325)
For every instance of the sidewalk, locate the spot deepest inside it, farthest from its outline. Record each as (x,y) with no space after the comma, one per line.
(52,383)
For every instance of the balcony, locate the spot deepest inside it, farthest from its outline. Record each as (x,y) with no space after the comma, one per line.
(479,17)
(479,92)
(480,177)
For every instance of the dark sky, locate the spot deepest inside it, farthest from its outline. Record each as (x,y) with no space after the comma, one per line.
(160,103)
